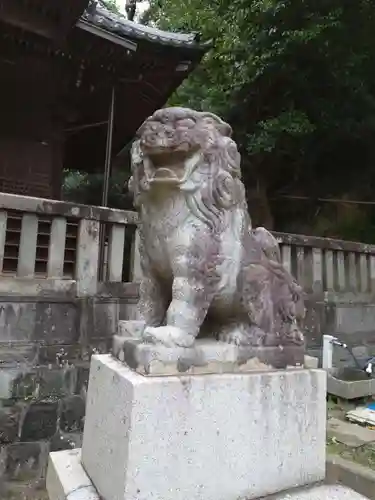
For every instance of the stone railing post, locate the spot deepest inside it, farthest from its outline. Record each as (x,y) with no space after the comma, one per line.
(87,257)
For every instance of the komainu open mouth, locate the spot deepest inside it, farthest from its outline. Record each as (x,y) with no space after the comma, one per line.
(164,174)
(173,167)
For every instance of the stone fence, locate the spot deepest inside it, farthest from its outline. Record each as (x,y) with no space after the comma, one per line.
(338,278)
(58,305)
(56,240)
(328,265)
(57,245)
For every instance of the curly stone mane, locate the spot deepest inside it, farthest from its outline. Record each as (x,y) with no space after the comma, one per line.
(202,142)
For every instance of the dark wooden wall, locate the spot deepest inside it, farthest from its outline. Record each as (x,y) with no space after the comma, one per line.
(29,168)
(31,139)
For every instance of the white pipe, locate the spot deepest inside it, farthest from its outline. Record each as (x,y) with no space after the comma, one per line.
(327,352)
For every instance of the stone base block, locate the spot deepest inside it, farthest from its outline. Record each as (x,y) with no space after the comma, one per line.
(206,356)
(66,479)
(203,437)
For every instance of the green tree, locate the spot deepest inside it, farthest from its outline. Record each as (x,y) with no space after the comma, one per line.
(81,187)
(111,5)
(296,81)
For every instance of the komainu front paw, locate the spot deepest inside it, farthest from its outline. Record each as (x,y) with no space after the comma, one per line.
(169,336)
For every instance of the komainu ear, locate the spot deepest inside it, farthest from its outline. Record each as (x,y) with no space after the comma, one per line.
(223,128)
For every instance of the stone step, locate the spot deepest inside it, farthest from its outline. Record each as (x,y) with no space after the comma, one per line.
(321,492)
(351,435)
(67,480)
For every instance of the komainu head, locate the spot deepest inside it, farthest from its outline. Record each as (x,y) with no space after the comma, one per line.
(189,150)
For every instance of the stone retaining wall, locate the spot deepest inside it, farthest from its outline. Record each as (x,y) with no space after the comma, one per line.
(47,338)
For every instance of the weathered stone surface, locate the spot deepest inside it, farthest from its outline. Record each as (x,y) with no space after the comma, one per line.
(40,421)
(57,382)
(83,373)
(24,384)
(65,441)
(105,318)
(14,383)
(26,460)
(37,383)
(38,321)
(349,384)
(55,322)
(352,318)
(19,353)
(349,434)
(206,356)
(72,413)
(153,434)
(9,424)
(67,479)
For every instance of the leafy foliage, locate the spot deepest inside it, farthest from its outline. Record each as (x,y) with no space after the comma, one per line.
(111,5)
(296,81)
(80,187)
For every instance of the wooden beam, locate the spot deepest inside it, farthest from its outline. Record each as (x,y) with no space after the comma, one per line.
(122,41)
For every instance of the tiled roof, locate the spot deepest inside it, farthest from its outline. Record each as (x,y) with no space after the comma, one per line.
(118,24)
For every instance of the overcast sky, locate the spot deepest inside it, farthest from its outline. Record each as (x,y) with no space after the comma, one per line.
(141,6)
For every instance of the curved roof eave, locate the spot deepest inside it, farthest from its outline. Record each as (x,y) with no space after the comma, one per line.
(117,24)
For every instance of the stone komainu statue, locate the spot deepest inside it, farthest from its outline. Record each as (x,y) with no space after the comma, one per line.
(205,269)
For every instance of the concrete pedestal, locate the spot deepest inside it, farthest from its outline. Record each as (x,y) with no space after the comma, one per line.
(202,437)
